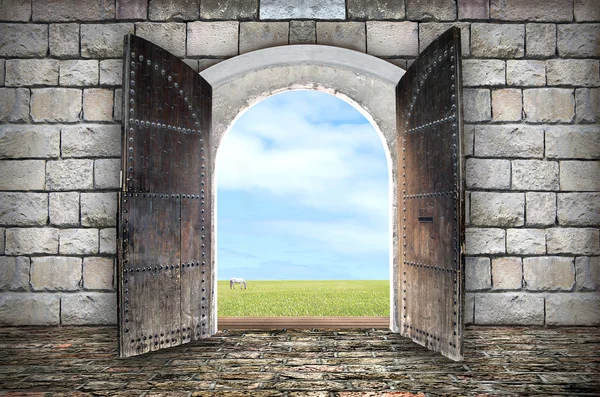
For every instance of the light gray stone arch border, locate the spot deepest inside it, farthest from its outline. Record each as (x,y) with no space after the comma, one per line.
(366,82)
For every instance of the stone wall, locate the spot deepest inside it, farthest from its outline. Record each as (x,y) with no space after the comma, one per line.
(531,106)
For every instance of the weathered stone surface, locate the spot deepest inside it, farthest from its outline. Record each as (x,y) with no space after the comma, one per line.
(432,30)
(64,40)
(534,175)
(73,10)
(106,173)
(515,140)
(98,104)
(483,72)
(525,73)
(468,139)
(583,72)
(89,308)
(23,40)
(108,241)
(91,140)
(469,309)
(14,273)
(15,10)
(24,72)
(507,273)
(478,274)
(349,35)
(507,104)
(587,270)
(391,38)
(212,38)
(497,209)
(473,9)
(98,273)
(540,208)
(586,10)
(578,40)
(258,35)
(497,40)
(526,241)
(375,9)
(307,9)
(193,63)
(106,40)
(509,309)
(549,105)
(79,72)
(2,68)
(55,104)
(426,10)
(572,142)
(69,175)
(98,209)
(117,109)
(25,241)
(532,10)
(303,32)
(23,209)
(22,174)
(476,104)
(170,36)
(578,241)
(587,105)
(14,105)
(578,209)
(540,40)
(64,209)
(573,309)
(487,174)
(2,238)
(55,273)
(31,141)
(582,176)
(111,72)
(485,241)
(29,309)
(132,9)
(78,241)
(223,9)
(173,10)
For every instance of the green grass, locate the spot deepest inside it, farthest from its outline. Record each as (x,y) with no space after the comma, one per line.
(305,298)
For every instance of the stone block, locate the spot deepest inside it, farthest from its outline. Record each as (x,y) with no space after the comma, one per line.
(170,36)
(483,72)
(2,238)
(582,72)
(375,9)
(26,72)
(469,309)
(428,10)
(587,105)
(473,9)
(509,308)
(468,140)
(219,9)
(192,63)
(62,105)
(23,209)
(15,10)
(132,9)
(531,10)
(108,241)
(98,273)
(26,241)
(485,241)
(577,241)
(173,10)
(79,72)
(534,175)
(98,209)
(587,273)
(2,68)
(89,308)
(478,274)
(525,73)
(117,109)
(349,35)
(586,10)
(29,141)
(98,104)
(73,10)
(303,32)
(111,72)
(29,309)
(91,140)
(526,241)
(69,175)
(14,273)
(14,105)
(64,40)
(391,38)
(23,40)
(302,9)
(106,173)
(578,40)
(571,142)
(497,209)
(581,176)
(64,209)
(578,209)
(573,309)
(507,104)
(55,273)
(212,38)
(510,140)
(540,40)
(429,31)
(476,105)
(549,105)
(22,174)
(507,273)
(78,241)
(104,40)
(487,174)
(492,40)
(257,35)
(540,208)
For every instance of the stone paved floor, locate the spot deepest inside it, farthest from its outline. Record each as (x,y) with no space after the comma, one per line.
(73,361)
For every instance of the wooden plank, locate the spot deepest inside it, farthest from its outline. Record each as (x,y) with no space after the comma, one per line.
(226,322)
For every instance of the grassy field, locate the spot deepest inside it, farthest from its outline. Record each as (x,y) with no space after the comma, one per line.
(305,298)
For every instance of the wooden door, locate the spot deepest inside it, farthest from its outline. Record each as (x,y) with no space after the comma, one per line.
(165,283)
(431,201)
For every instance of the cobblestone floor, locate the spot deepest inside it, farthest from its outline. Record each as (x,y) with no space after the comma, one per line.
(74,361)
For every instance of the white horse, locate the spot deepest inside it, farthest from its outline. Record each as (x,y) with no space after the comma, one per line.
(239,281)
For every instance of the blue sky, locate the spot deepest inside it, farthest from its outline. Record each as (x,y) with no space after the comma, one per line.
(302,190)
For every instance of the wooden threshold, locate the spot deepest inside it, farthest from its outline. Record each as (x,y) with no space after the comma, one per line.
(301,322)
